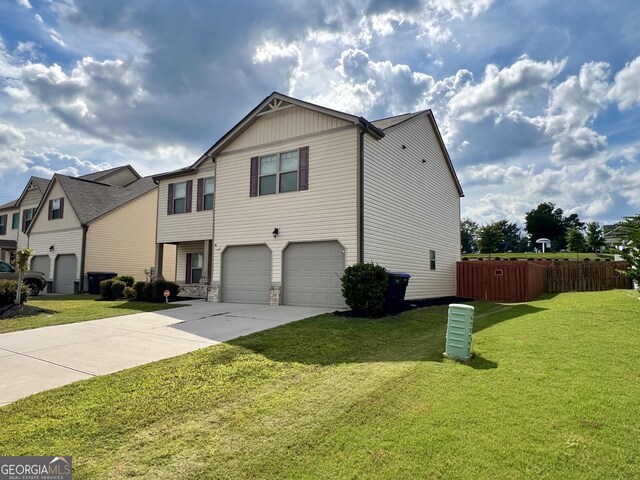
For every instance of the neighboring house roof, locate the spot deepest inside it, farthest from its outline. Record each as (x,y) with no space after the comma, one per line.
(95,176)
(90,200)
(9,205)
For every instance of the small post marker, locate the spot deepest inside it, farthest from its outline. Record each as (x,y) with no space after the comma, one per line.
(166,296)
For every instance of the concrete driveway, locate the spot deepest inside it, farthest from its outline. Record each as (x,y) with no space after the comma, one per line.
(35,360)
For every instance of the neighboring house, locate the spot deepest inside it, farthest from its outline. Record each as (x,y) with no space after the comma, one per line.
(104,221)
(281,204)
(611,235)
(16,216)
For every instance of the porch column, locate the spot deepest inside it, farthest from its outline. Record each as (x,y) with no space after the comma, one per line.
(158,262)
(206,262)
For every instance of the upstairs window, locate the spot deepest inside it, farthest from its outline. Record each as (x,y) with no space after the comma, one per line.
(3,224)
(56,208)
(280,172)
(15,221)
(27,218)
(179,197)
(206,191)
(432,259)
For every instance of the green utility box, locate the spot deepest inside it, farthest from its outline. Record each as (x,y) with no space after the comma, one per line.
(459,329)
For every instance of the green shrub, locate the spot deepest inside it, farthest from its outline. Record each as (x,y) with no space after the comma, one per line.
(147,292)
(129,292)
(364,286)
(127,279)
(158,288)
(139,289)
(8,290)
(117,289)
(105,289)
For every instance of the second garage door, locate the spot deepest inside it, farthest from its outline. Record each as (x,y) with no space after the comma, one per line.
(246,274)
(311,274)
(64,274)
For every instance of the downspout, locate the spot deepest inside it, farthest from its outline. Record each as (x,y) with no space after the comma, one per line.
(82,257)
(360,233)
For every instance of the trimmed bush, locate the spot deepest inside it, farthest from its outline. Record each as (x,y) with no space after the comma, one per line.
(105,289)
(158,288)
(139,289)
(147,292)
(8,290)
(364,286)
(127,279)
(117,289)
(129,293)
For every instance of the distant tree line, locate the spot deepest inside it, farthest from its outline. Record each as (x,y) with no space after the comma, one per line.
(544,221)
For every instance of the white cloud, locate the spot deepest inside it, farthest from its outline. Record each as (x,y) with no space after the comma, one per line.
(10,136)
(24,3)
(502,90)
(626,88)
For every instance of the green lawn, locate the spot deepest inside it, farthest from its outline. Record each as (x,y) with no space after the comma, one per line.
(541,256)
(552,393)
(77,308)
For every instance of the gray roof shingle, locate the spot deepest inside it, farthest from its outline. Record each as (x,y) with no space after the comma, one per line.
(384,123)
(91,200)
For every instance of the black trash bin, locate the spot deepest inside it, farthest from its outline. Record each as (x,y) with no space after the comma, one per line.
(398,281)
(96,277)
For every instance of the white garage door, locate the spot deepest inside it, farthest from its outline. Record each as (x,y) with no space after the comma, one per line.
(246,274)
(64,274)
(311,274)
(40,263)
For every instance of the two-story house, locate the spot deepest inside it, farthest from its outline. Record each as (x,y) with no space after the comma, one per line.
(17,215)
(277,208)
(104,221)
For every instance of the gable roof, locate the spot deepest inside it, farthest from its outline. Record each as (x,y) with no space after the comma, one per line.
(391,122)
(95,176)
(277,101)
(91,200)
(40,183)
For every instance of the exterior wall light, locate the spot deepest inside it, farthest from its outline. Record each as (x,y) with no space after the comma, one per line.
(275,232)
(52,248)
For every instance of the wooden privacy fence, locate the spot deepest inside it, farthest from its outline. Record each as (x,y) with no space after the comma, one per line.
(500,280)
(585,276)
(521,281)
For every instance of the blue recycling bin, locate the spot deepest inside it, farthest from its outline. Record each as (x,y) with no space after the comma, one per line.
(396,290)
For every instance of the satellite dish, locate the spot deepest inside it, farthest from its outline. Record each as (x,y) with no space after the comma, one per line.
(545,242)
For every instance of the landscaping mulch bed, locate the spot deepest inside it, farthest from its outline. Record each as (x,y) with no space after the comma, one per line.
(12,311)
(410,305)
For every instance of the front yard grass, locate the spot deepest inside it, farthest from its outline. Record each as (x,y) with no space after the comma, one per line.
(552,393)
(77,308)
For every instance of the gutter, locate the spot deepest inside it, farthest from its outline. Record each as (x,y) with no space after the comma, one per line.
(84,253)
(365,127)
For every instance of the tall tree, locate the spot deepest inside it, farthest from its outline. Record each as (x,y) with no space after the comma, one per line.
(469,236)
(594,239)
(490,237)
(547,221)
(575,240)
(511,234)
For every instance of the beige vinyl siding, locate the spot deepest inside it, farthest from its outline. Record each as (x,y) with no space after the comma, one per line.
(31,200)
(69,218)
(411,207)
(181,257)
(286,123)
(184,227)
(326,211)
(11,233)
(64,242)
(123,241)
(121,177)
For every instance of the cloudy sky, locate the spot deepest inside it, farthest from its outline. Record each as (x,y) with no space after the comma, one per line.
(537,100)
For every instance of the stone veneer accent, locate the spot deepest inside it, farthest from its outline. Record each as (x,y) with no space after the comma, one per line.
(275,294)
(214,292)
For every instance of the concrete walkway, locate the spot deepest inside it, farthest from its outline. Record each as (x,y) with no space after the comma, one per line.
(35,360)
